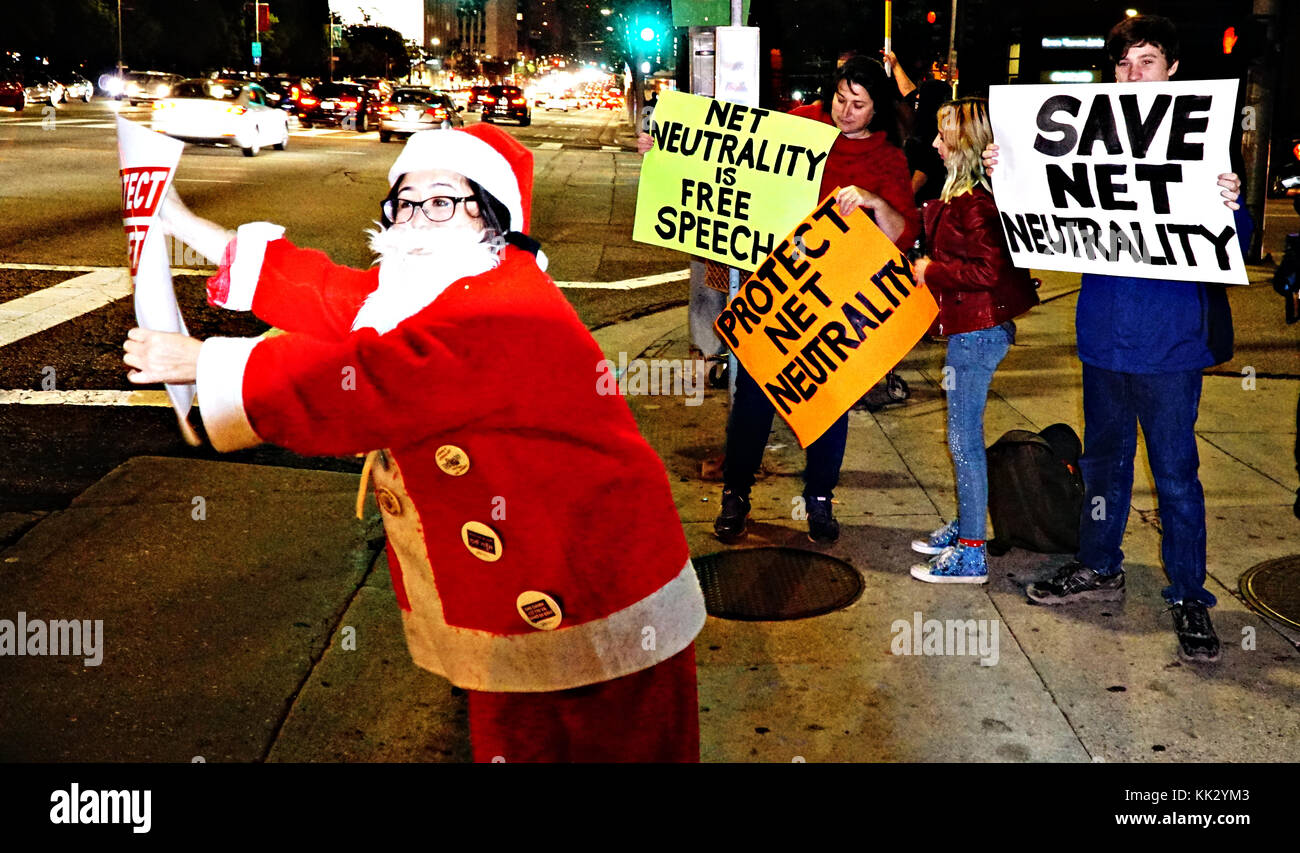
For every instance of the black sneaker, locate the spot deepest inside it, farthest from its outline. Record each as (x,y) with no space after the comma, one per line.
(823,529)
(1076,582)
(730,524)
(1197,641)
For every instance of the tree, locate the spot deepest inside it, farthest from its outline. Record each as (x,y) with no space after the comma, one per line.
(372,51)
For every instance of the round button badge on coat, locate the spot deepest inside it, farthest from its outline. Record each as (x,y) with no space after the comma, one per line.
(539,610)
(452,460)
(482,541)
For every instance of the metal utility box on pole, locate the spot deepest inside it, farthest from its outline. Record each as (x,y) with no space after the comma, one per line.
(703,50)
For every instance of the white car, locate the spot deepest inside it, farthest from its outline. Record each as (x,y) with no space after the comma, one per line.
(554,101)
(140,86)
(222,112)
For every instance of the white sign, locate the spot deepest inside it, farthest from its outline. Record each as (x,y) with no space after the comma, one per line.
(1074,42)
(736,65)
(1118,178)
(148,161)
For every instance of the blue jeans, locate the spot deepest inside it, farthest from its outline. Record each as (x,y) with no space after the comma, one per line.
(972,357)
(1166,405)
(748,427)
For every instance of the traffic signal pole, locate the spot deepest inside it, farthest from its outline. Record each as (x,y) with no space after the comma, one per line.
(733,274)
(1257,123)
(952,50)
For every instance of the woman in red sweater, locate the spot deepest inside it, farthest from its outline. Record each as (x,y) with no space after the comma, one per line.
(870,170)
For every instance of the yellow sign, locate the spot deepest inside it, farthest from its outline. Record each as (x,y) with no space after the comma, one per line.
(826,315)
(724,181)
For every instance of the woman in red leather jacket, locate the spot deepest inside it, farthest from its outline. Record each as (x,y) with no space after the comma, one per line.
(979,291)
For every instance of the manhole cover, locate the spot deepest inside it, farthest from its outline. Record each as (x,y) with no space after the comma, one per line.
(761,584)
(1273,588)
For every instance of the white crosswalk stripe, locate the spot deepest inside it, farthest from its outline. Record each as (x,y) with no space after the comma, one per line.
(47,308)
(99,286)
(24,397)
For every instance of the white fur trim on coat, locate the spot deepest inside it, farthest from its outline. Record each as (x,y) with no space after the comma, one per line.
(220,383)
(537,661)
(246,268)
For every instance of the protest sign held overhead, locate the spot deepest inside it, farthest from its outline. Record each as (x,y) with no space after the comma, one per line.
(148,165)
(1118,179)
(830,311)
(725,181)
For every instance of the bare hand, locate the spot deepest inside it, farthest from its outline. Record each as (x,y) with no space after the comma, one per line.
(990,157)
(919,266)
(644,142)
(161,357)
(1231,189)
(851,198)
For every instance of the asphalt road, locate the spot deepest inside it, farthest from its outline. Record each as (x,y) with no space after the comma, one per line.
(60,204)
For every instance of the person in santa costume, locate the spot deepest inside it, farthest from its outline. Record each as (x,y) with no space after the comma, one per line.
(534,546)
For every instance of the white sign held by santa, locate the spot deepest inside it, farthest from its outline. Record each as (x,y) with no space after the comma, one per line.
(149,161)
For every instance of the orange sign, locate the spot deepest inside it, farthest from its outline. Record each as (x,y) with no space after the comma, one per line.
(829,312)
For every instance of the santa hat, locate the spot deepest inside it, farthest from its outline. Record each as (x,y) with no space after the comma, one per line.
(485,154)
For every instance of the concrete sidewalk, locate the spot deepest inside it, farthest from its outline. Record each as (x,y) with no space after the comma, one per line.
(249,616)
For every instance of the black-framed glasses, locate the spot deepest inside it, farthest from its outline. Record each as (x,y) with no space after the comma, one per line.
(439,208)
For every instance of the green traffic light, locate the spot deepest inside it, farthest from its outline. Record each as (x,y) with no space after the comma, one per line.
(647,34)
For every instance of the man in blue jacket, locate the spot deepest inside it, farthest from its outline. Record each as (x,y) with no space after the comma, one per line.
(1143,343)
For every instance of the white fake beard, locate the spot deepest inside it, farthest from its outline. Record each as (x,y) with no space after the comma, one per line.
(415,266)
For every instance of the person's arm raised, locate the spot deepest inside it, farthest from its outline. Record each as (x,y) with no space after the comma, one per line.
(208,238)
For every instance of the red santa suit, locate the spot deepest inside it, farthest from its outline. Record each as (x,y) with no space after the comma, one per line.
(533,542)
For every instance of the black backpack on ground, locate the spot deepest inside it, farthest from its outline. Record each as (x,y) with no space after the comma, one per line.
(1035,491)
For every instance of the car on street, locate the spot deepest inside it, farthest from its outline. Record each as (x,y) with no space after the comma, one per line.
(1286,176)
(12,93)
(39,86)
(283,92)
(75,86)
(475,101)
(347,105)
(222,112)
(507,102)
(558,101)
(380,89)
(412,109)
(141,86)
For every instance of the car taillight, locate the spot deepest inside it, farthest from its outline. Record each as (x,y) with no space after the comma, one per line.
(516,101)
(438,113)
(488,99)
(309,101)
(388,109)
(351,102)
(1296,151)
(239,111)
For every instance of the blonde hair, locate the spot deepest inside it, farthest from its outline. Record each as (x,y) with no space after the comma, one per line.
(964,126)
